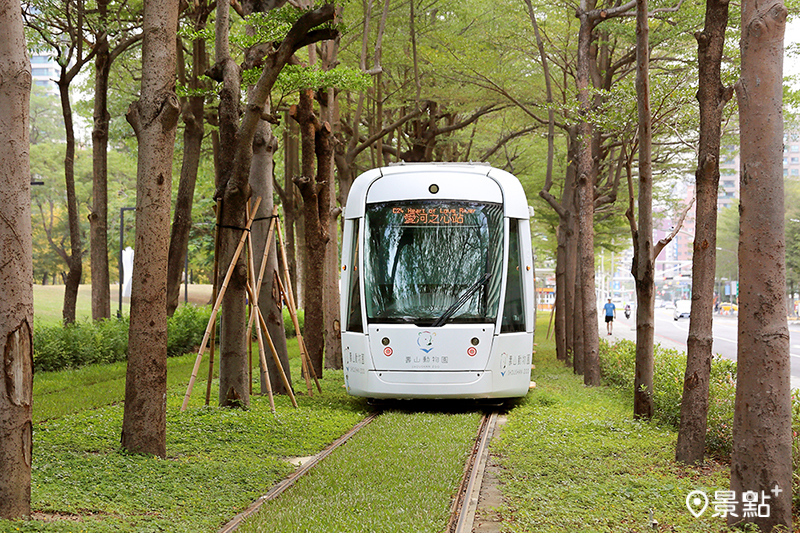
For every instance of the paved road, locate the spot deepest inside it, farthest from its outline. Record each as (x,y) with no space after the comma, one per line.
(671,334)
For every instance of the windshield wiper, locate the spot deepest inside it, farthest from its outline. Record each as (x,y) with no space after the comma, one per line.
(466,295)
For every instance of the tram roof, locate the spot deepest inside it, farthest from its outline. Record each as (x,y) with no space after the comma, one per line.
(513,195)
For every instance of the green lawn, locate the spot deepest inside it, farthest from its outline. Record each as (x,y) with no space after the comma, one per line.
(219,460)
(48,301)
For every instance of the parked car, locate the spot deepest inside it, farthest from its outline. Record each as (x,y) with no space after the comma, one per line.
(682,309)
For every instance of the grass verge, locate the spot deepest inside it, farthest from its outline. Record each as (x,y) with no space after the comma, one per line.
(574,460)
(219,460)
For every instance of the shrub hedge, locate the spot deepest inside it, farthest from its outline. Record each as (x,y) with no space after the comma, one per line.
(83,343)
(617,364)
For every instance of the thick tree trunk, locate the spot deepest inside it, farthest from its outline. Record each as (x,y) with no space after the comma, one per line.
(644,274)
(579,354)
(291,199)
(98,218)
(330,296)
(154,118)
(16,276)
(261,182)
(75,262)
(711,96)
(585,208)
(316,213)
(762,427)
(236,138)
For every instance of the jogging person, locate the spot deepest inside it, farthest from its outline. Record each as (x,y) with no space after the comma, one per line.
(611,314)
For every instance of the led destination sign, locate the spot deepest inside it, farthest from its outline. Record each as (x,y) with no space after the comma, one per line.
(433,216)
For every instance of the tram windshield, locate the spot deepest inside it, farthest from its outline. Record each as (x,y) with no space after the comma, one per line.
(422,257)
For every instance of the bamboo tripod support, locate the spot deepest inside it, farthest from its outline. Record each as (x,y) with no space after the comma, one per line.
(263,325)
(214,299)
(218,303)
(270,236)
(305,358)
(253,310)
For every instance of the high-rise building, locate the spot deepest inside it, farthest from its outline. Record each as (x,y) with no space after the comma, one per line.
(44,71)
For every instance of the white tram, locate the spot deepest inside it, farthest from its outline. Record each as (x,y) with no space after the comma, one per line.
(437,283)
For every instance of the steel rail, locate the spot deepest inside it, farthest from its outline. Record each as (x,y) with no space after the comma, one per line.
(465,503)
(278,489)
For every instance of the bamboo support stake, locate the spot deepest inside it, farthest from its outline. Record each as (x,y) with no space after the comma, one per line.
(253,311)
(263,360)
(293,308)
(303,358)
(272,349)
(270,234)
(217,304)
(212,340)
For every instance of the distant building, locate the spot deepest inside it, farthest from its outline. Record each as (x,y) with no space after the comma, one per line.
(791,154)
(44,71)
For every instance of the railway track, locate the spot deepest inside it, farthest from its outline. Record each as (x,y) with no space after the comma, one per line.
(462,510)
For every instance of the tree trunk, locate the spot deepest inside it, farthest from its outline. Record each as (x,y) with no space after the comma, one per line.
(585,204)
(712,96)
(154,118)
(330,296)
(261,179)
(236,154)
(98,218)
(579,354)
(16,276)
(316,213)
(762,424)
(290,199)
(75,262)
(645,265)
(193,110)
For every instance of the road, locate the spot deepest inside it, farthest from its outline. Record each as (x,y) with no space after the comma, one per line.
(672,334)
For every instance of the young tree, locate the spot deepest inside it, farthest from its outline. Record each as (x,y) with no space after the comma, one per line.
(154,118)
(108,50)
(761,460)
(63,29)
(193,114)
(236,152)
(712,96)
(16,276)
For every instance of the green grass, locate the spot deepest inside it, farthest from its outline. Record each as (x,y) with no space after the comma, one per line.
(575,460)
(219,460)
(48,301)
(397,475)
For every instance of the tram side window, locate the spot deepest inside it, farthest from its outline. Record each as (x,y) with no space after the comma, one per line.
(513,306)
(354,322)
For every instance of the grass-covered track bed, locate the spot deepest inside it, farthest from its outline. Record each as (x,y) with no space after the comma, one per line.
(399,474)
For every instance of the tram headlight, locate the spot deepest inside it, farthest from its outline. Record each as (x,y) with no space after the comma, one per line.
(475,341)
(433,189)
(385,341)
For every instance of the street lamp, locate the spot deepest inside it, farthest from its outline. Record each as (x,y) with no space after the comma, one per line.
(121,240)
